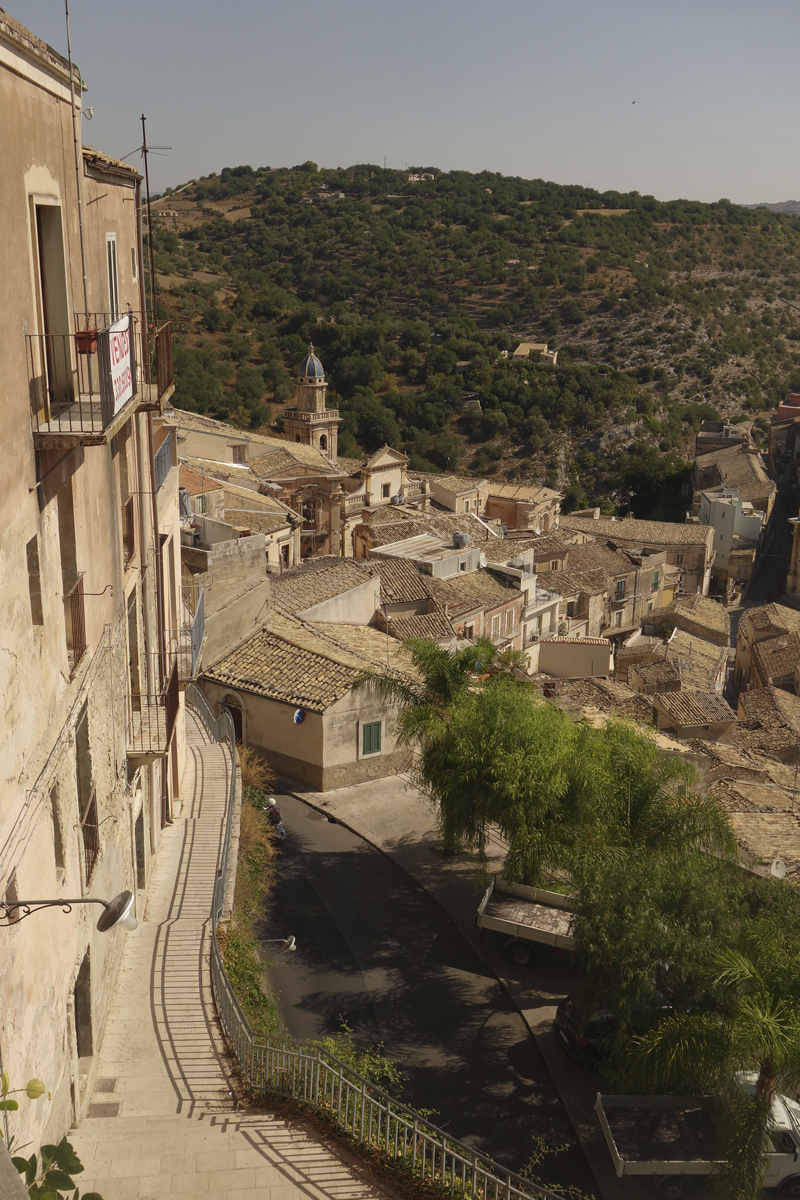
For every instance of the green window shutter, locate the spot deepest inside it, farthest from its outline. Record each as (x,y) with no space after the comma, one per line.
(372,737)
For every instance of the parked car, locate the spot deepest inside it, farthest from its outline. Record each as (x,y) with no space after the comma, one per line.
(583,1038)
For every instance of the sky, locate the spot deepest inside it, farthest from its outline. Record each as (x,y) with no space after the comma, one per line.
(524,87)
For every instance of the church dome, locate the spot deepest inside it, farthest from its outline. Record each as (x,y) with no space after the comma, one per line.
(311,367)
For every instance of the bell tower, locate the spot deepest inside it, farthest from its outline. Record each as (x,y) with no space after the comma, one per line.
(310,422)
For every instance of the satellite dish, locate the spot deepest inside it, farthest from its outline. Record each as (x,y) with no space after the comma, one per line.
(777,868)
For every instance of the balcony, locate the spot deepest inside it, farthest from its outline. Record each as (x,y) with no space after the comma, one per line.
(83,387)
(153,708)
(300,414)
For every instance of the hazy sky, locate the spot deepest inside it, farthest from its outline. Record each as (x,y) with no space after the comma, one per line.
(542,90)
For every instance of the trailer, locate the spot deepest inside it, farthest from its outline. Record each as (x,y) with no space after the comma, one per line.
(674,1140)
(525,918)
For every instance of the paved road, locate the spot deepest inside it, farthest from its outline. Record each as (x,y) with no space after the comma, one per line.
(376,950)
(775,562)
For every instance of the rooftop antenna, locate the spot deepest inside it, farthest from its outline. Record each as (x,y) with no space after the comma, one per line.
(78,182)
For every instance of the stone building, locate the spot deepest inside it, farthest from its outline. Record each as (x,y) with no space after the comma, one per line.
(91,735)
(688,547)
(310,422)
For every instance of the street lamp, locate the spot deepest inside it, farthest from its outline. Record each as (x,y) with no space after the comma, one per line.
(116,912)
(287,943)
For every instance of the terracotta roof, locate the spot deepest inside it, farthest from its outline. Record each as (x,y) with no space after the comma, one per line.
(350,466)
(389,524)
(594,556)
(654,674)
(778,656)
(696,610)
(570,641)
(195,482)
(463,594)
(777,617)
(452,483)
(401,582)
(771,709)
(316,581)
(523,493)
(259,522)
(610,696)
(740,468)
(698,660)
(645,533)
(544,546)
(695,708)
(311,665)
(433,626)
(569,583)
(639,649)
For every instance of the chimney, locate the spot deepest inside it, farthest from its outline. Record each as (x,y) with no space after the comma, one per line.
(426,488)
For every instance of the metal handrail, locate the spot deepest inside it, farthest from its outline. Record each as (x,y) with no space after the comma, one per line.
(314,1077)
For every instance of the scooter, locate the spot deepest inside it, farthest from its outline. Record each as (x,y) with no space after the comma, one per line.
(280,831)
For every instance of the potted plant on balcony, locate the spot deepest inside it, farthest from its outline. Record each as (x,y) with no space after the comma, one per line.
(86,341)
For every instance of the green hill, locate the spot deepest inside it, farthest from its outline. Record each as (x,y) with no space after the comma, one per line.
(663,314)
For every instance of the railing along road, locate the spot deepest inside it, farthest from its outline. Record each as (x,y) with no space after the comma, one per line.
(313,1077)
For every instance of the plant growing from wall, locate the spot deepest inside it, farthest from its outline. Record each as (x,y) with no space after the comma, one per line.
(48,1175)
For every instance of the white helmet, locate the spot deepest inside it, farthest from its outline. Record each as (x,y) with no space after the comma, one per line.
(272,802)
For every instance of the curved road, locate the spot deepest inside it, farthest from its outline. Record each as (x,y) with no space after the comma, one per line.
(375,950)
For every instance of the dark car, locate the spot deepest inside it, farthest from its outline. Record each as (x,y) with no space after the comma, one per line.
(582,1037)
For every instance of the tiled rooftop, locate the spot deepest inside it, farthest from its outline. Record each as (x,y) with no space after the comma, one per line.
(697,610)
(463,594)
(777,617)
(195,482)
(610,696)
(777,657)
(739,468)
(772,708)
(645,533)
(258,522)
(695,708)
(311,665)
(315,581)
(430,626)
(401,582)
(523,493)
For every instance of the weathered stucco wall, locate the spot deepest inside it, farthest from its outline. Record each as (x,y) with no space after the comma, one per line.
(355,607)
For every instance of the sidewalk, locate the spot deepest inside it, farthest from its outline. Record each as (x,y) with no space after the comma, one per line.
(392,815)
(163,1118)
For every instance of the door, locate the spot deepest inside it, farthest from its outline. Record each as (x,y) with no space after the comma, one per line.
(782,1160)
(52,356)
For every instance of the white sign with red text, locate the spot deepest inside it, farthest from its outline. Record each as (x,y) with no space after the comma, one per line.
(119,344)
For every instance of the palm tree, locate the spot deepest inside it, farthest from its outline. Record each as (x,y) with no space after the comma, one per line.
(748,1045)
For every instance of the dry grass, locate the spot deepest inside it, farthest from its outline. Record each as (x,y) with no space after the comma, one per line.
(256,771)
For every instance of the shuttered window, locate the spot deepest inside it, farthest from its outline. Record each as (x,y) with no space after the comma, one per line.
(371,735)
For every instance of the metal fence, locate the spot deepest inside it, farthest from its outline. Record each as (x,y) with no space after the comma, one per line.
(164,458)
(312,1076)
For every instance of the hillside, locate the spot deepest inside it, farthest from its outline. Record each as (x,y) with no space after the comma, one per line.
(662,313)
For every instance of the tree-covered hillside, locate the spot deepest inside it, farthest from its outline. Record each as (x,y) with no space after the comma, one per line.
(663,314)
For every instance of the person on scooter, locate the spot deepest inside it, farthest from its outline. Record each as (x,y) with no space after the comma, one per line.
(273,812)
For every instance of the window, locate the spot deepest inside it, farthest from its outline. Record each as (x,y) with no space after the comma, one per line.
(113,279)
(323,442)
(87,796)
(678,560)
(509,620)
(656,578)
(620,589)
(34,581)
(385,491)
(462,566)
(58,836)
(496,627)
(617,618)
(469,632)
(371,738)
(134,271)
(240,453)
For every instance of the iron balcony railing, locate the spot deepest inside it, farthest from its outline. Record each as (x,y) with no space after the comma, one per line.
(76,382)
(164,458)
(310,1075)
(90,833)
(75,624)
(155,352)
(188,638)
(153,706)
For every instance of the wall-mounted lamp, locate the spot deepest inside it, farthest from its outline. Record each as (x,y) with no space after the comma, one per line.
(116,912)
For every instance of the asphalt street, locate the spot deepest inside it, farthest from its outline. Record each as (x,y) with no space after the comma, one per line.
(374,950)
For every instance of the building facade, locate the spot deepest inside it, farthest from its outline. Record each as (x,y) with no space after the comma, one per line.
(92,729)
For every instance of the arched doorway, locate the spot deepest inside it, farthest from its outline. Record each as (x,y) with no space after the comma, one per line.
(234,707)
(323,442)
